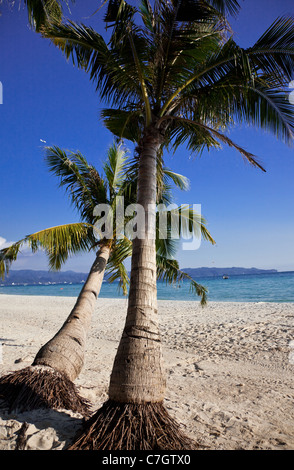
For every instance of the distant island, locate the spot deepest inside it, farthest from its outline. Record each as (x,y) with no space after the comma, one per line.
(30,276)
(209,272)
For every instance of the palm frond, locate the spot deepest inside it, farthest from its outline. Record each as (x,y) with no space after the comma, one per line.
(198,134)
(147,15)
(258,102)
(121,250)
(118,11)
(225,7)
(125,124)
(113,71)
(193,10)
(180,181)
(250,83)
(266,107)
(176,46)
(119,273)
(220,60)
(82,181)
(193,223)
(43,12)
(127,39)
(115,167)
(57,242)
(166,245)
(174,222)
(168,271)
(167,180)
(273,52)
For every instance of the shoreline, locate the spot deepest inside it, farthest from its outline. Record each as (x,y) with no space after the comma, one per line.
(197,301)
(229,368)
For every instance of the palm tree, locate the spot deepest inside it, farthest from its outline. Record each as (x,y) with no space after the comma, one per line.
(59,362)
(49,381)
(176,76)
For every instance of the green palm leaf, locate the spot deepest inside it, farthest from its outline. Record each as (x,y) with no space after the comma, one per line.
(176,63)
(177,222)
(121,250)
(82,181)
(225,7)
(42,12)
(273,52)
(168,271)
(57,242)
(123,123)
(89,51)
(194,133)
(115,168)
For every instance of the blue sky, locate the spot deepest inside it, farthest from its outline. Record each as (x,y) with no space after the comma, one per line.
(248,212)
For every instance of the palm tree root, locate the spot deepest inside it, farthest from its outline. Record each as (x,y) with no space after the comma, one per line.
(129,426)
(41,387)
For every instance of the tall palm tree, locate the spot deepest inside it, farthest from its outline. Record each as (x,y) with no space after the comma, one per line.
(59,362)
(176,76)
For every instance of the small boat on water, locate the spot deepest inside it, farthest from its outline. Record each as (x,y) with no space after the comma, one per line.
(225,276)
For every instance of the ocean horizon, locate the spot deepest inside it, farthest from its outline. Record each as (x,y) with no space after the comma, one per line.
(269,287)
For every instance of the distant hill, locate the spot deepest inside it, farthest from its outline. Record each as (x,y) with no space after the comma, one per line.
(208,272)
(30,276)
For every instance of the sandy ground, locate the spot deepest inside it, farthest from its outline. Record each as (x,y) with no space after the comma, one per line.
(229,366)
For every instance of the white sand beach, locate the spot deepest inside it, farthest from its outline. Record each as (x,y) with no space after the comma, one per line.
(230,369)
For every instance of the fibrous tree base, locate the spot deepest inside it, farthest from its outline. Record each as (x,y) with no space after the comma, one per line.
(41,387)
(120,426)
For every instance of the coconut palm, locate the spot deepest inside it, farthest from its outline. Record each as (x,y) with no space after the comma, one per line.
(59,362)
(176,76)
(49,381)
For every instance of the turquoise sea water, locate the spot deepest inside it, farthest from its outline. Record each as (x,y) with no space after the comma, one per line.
(277,287)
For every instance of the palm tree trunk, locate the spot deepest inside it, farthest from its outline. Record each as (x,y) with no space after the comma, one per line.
(66,350)
(137,375)
(134,416)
